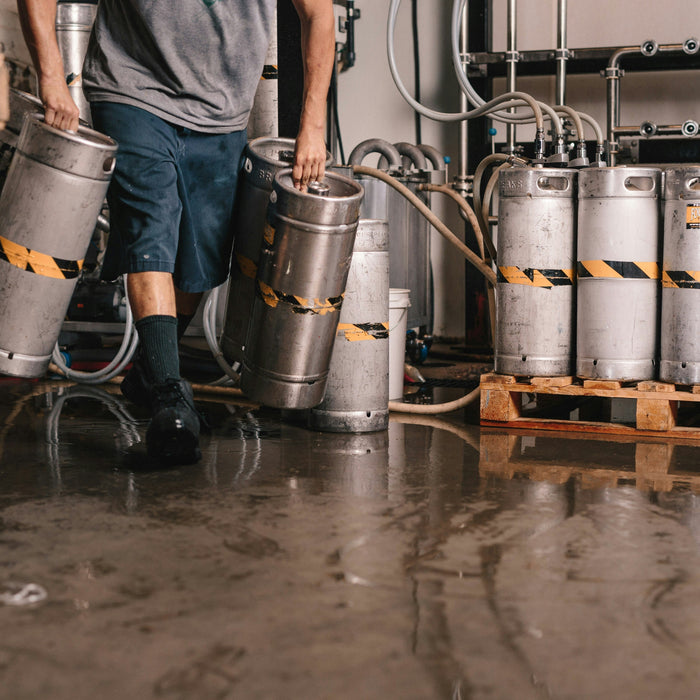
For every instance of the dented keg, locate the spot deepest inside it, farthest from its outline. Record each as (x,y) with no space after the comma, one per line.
(680,294)
(264,158)
(300,281)
(52,197)
(357,389)
(536,256)
(618,273)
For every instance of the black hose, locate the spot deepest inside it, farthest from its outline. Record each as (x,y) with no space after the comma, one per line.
(416,67)
(334,107)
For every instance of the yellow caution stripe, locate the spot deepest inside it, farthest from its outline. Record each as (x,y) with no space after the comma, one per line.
(364,331)
(247,267)
(38,263)
(269,235)
(297,304)
(532,277)
(618,269)
(270,72)
(681,279)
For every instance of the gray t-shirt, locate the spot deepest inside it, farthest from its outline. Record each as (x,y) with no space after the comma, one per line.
(195,63)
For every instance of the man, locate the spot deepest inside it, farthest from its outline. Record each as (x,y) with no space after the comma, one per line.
(173,81)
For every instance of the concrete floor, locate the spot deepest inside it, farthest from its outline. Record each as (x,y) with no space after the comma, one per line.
(435,560)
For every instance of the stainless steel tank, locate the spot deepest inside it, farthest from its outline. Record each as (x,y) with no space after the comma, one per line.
(618,273)
(300,281)
(53,194)
(357,389)
(74,22)
(536,272)
(680,294)
(264,158)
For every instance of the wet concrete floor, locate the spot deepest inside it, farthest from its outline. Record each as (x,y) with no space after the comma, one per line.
(435,560)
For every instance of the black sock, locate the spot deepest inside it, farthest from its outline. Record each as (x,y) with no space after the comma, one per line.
(183,320)
(159,348)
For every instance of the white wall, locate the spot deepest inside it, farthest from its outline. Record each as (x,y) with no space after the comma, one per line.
(370,105)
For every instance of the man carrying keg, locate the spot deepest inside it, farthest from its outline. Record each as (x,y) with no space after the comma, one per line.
(173,81)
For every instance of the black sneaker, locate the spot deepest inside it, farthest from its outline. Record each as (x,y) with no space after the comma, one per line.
(135,386)
(173,434)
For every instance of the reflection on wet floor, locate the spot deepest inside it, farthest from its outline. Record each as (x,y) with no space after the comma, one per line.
(434,560)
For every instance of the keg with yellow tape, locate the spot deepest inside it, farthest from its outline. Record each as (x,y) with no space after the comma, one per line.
(300,282)
(49,205)
(618,254)
(680,293)
(357,388)
(264,158)
(535,288)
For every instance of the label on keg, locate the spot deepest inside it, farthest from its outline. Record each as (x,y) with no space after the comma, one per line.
(692,216)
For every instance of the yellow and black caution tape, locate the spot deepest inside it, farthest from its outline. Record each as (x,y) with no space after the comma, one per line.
(247,267)
(681,279)
(38,263)
(364,331)
(618,269)
(532,277)
(270,72)
(299,305)
(269,235)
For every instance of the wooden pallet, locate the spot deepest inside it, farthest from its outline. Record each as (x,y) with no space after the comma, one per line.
(656,405)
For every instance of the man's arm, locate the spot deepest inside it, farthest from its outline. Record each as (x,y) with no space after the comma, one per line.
(318,53)
(38,20)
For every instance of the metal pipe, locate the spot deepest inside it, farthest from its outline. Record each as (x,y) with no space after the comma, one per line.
(511,60)
(562,53)
(658,130)
(613,73)
(463,106)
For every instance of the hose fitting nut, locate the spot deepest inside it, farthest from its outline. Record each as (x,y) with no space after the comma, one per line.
(649,47)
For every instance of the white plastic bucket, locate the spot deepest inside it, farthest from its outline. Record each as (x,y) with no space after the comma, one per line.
(398,314)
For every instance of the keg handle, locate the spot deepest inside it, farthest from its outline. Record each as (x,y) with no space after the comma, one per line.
(693,184)
(553,184)
(639,184)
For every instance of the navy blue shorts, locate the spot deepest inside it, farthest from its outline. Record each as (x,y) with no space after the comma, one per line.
(171,197)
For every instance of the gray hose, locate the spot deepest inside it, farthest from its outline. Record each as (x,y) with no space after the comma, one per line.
(376,146)
(436,158)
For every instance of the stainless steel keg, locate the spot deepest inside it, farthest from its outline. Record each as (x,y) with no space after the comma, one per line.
(357,389)
(536,256)
(53,194)
(264,159)
(618,273)
(300,281)
(680,294)
(74,22)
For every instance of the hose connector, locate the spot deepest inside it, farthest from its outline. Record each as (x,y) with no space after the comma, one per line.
(560,155)
(581,160)
(539,158)
(600,159)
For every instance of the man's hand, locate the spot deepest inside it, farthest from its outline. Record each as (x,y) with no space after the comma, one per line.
(309,158)
(60,111)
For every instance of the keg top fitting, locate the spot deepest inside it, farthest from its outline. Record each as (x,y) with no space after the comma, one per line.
(619,181)
(85,153)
